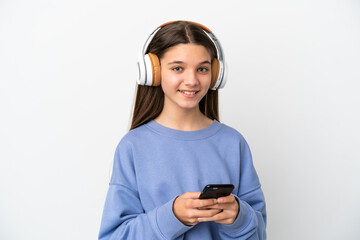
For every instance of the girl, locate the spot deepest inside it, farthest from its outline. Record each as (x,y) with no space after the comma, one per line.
(176,146)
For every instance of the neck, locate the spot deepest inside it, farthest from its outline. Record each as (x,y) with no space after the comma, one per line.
(184,120)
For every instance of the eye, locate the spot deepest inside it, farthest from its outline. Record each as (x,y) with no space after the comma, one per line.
(203,69)
(177,69)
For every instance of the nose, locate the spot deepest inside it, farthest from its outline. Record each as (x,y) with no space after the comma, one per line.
(191,78)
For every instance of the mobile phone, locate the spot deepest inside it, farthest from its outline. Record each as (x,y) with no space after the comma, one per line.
(216,191)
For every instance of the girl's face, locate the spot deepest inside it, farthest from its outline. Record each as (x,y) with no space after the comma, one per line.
(185,76)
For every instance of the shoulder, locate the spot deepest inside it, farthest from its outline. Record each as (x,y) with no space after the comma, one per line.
(136,136)
(231,132)
(136,133)
(232,138)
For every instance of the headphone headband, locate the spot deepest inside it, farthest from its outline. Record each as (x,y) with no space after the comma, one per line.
(200,25)
(146,70)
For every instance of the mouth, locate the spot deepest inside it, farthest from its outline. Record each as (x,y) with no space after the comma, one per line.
(188,93)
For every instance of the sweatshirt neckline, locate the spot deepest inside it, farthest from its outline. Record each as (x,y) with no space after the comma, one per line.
(185,135)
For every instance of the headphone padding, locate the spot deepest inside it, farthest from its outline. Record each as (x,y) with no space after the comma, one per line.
(156,69)
(214,72)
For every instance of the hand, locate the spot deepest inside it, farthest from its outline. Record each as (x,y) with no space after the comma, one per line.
(228,210)
(188,208)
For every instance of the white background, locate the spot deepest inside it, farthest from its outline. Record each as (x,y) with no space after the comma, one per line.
(67,72)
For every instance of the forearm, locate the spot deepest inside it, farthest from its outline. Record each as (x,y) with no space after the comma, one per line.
(250,223)
(124,218)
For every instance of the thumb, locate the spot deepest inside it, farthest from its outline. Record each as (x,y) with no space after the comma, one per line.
(192,195)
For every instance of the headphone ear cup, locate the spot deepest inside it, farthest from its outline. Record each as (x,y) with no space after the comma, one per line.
(156,69)
(148,75)
(224,77)
(214,72)
(141,71)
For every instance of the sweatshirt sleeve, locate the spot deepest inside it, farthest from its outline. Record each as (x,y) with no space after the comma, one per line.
(250,223)
(123,215)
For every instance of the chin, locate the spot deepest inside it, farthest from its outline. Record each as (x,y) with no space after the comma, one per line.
(189,107)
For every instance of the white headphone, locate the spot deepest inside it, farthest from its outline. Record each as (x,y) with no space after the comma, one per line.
(149,64)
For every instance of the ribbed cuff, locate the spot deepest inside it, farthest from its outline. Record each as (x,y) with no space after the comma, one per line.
(169,226)
(242,220)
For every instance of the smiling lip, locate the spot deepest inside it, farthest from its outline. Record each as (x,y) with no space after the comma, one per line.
(188,93)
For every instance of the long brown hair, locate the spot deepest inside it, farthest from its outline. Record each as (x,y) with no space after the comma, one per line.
(149,100)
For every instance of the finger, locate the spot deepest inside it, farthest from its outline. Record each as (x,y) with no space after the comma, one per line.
(222,216)
(192,195)
(227,199)
(224,206)
(206,213)
(218,217)
(219,206)
(226,221)
(203,203)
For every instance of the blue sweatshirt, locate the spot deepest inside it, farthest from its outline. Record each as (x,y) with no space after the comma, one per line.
(154,164)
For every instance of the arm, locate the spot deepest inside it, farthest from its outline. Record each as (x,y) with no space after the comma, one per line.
(241,216)
(235,219)
(250,223)
(124,216)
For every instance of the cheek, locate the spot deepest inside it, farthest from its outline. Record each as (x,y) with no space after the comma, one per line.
(168,86)
(170,80)
(206,81)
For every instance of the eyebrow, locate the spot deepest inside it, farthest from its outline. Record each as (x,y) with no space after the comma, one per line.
(180,62)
